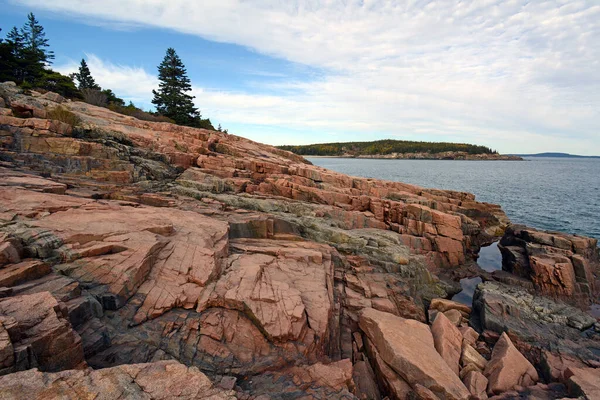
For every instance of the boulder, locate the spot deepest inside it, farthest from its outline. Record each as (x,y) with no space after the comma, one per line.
(10,250)
(477,384)
(364,379)
(454,316)
(407,346)
(469,334)
(470,356)
(448,341)
(391,383)
(508,368)
(444,305)
(584,382)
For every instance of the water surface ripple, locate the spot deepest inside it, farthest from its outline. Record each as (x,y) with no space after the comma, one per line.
(561,194)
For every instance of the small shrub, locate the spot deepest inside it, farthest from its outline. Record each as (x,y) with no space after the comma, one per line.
(135,112)
(63,115)
(181,147)
(94,97)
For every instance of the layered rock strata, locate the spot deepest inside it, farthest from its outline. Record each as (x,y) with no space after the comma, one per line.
(558,265)
(151,252)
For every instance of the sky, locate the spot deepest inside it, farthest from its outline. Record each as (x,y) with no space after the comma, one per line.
(519,76)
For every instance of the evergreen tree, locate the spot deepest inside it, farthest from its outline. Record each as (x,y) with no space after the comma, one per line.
(16,39)
(112,98)
(12,67)
(171,99)
(34,54)
(35,40)
(84,77)
(7,61)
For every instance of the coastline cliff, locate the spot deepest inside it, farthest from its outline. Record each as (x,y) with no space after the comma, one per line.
(192,263)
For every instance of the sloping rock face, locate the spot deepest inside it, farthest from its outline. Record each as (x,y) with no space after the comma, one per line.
(160,380)
(124,242)
(559,265)
(116,149)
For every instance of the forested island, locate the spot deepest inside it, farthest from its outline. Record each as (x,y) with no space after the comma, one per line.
(400,149)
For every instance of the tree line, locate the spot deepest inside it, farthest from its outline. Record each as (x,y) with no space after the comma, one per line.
(383,147)
(25,58)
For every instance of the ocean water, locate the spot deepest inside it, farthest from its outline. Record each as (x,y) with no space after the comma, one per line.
(561,194)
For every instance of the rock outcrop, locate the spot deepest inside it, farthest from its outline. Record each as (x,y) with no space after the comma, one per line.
(160,380)
(151,252)
(535,320)
(559,265)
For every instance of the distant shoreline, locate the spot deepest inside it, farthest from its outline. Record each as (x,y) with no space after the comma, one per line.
(385,157)
(554,155)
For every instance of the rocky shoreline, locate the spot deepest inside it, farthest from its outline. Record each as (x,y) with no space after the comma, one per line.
(448,155)
(148,260)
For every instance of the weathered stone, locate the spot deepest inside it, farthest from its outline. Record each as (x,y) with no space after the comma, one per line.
(508,368)
(160,380)
(469,334)
(7,356)
(476,383)
(10,250)
(408,348)
(364,379)
(470,356)
(448,341)
(14,274)
(558,264)
(444,305)
(584,382)
(534,319)
(41,333)
(454,316)
(233,266)
(391,383)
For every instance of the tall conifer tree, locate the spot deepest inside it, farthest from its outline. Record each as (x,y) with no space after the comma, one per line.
(85,78)
(171,98)
(35,40)
(11,56)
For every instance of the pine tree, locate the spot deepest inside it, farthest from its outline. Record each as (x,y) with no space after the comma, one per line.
(11,64)
(35,40)
(16,39)
(85,78)
(171,99)
(30,46)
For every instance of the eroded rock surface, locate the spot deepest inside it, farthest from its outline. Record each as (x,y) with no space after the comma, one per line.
(160,380)
(135,246)
(508,368)
(407,347)
(559,265)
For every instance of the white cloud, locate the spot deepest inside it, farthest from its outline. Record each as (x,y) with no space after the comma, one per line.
(133,83)
(516,75)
